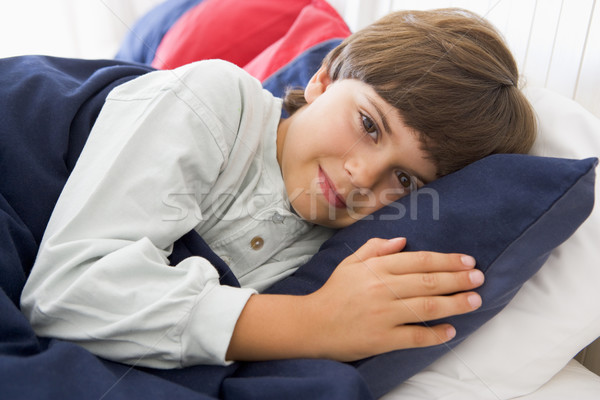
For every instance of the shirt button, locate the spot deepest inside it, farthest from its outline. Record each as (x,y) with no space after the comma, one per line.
(257,243)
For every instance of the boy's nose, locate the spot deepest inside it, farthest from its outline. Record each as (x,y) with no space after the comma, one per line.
(364,173)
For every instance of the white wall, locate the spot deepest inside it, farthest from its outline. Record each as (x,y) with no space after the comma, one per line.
(556,42)
(67,28)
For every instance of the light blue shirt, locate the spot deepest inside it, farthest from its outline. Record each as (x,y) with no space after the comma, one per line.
(171,151)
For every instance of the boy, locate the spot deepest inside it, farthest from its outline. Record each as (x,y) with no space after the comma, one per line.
(412,97)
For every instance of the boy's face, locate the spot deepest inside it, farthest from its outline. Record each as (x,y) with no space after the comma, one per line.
(347,153)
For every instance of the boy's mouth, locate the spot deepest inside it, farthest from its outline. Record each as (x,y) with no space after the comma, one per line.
(328,189)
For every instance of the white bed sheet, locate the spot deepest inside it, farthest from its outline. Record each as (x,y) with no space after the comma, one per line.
(574,381)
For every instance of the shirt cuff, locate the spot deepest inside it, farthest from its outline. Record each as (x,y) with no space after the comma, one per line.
(206,338)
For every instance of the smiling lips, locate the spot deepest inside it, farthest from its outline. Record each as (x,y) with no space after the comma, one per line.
(328,189)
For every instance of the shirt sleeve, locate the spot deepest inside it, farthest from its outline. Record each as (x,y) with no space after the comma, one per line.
(102,277)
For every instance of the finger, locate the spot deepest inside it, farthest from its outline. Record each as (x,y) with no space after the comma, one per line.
(429,308)
(425,261)
(411,336)
(377,247)
(434,283)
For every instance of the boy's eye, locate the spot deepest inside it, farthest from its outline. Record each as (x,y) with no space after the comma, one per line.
(370,127)
(404,179)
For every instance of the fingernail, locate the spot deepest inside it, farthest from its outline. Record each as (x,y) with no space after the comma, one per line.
(474,300)
(476,277)
(398,239)
(450,332)
(468,261)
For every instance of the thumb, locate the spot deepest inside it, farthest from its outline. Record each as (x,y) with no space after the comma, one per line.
(377,247)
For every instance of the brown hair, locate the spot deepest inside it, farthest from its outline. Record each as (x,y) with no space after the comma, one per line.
(451,77)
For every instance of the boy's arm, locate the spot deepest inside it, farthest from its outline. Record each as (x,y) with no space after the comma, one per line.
(102,277)
(362,309)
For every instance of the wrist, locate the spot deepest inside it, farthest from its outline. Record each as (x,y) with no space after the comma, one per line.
(276,327)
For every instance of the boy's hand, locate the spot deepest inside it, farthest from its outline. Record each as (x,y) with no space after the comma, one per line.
(363,308)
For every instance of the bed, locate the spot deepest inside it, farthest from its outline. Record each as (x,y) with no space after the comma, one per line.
(541,266)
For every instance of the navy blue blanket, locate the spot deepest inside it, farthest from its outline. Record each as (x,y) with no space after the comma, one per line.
(510,211)
(47,108)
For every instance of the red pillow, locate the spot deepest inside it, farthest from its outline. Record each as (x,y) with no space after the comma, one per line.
(233,30)
(316,23)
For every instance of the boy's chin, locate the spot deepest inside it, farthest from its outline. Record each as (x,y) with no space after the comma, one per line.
(335,219)
(339,222)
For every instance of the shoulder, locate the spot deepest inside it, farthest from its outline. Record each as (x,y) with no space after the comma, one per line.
(220,86)
(211,97)
(209,71)
(201,77)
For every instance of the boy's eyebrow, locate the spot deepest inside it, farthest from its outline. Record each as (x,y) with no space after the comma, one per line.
(386,128)
(384,121)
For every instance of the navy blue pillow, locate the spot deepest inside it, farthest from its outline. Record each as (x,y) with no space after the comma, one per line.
(508,211)
(141,42)
(298,72)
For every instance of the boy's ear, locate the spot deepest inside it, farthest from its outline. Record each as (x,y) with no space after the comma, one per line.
(317,84)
